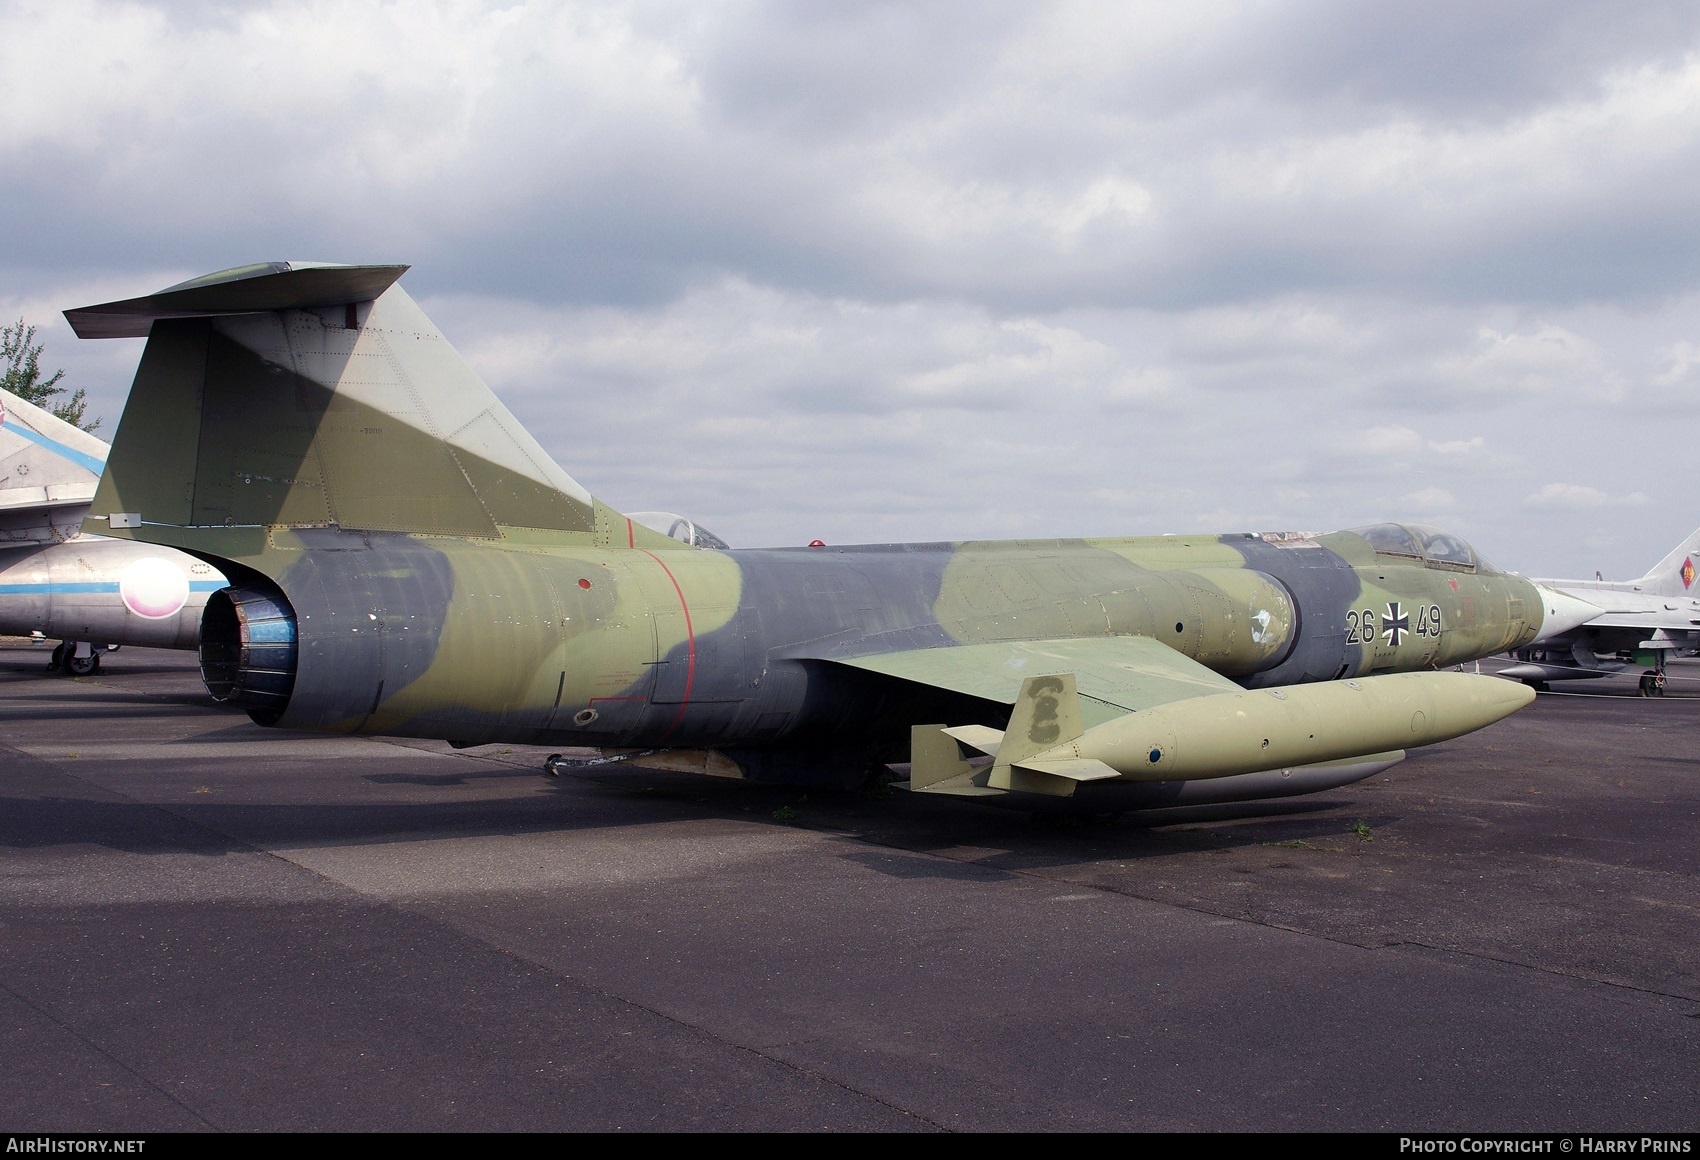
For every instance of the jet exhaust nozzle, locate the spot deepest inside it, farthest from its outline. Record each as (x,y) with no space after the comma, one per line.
(249,649)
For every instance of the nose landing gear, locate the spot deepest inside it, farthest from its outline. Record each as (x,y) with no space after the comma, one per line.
(1653,683)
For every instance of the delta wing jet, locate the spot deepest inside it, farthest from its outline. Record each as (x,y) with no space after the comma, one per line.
(1640,622)
(404,558)
(85,591)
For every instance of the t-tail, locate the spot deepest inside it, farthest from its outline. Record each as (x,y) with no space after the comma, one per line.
(287,410)
(306,396)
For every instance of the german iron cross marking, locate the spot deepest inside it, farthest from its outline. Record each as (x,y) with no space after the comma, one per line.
(1396,625)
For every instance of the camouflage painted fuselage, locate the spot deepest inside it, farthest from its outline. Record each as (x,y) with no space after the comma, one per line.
(406,559)
(630,647)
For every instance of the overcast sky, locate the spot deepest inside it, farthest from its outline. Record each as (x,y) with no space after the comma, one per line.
(940,271)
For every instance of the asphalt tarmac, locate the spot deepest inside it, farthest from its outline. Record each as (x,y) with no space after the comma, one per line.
(209,925)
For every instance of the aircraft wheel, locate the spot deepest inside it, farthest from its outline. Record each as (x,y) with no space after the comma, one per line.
(56,662)
(82,666)
(1649,685)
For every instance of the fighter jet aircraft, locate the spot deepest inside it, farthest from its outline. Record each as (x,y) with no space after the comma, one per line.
(406,559)
(83,591)
(1641,622)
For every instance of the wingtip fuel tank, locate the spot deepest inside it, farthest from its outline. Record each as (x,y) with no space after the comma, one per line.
(1232,733)
(1045,750)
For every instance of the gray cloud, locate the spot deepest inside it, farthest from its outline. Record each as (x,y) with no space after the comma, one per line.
(887,271)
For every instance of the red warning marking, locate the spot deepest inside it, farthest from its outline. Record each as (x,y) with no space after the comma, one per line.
(690,642)
(631,536)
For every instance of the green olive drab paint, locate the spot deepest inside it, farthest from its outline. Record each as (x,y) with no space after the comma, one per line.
(404,558)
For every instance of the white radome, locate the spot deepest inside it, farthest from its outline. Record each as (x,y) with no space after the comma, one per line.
(1562,612)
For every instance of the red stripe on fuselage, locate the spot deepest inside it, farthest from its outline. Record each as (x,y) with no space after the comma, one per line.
(690,642)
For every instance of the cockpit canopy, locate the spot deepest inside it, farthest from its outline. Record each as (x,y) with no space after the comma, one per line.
(677,527)
(1420,542)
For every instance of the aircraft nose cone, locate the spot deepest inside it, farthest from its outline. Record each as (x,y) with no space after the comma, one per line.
(1499,699)
(1563,612)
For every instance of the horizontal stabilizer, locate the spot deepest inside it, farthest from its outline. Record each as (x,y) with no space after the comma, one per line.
(981,737)
(243,290)
(1045,719)
(962,786)
(1073,768)
(936,764)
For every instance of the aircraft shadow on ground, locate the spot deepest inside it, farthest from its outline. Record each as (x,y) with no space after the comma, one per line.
(218,828)
(109,670)
(138,709)
(617,797)
(94,695)
(245,732)
(444,779)
(900,864)
(215,828)
(930,825)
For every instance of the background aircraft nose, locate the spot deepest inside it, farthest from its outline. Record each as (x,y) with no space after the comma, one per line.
(1562,612)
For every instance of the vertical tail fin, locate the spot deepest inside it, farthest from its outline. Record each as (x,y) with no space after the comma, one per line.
(1046,714)
(934,758)
(300,396)
(1678,574)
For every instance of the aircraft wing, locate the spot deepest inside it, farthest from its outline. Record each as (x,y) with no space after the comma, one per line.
(48,472)
(1630,623)
(1129,707)
(1627,618)
(1671,620)
(1113,675)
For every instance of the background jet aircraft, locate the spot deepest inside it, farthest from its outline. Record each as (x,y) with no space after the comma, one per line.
(406,559)
(85,591)
(1641,622)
